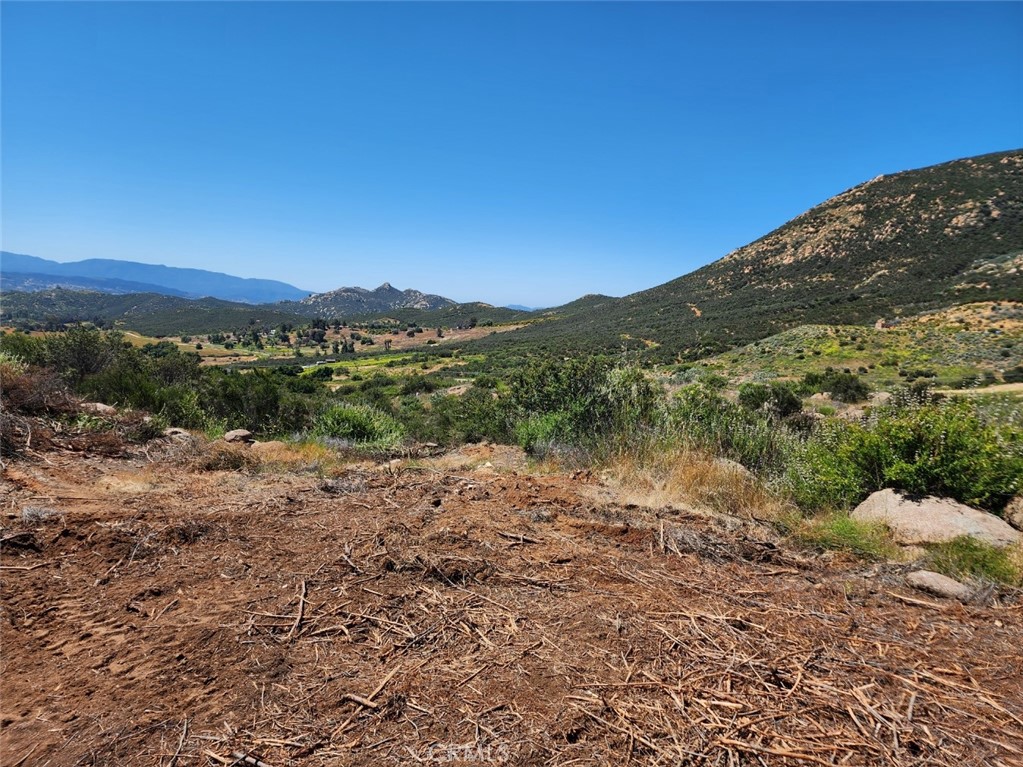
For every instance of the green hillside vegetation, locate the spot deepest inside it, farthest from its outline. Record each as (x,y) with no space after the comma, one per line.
(448,316)
(896,245)
(586,410)
(148,313)
(979,344)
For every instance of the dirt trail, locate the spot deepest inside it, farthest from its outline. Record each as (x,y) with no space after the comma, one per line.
(156,615)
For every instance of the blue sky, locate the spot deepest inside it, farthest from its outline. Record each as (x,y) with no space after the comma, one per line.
(506,152)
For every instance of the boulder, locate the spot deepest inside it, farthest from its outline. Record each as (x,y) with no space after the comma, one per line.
(176,434)
(1014,512)
(98,408)
(736,469)
(933,520)
(238,435)
(880,398)
(939,585)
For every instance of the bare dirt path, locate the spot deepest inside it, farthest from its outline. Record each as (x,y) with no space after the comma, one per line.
(158,615)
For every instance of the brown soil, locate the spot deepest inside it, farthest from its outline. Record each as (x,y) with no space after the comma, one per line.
(158,615)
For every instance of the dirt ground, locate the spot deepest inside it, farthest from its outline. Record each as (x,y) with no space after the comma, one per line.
(461,613)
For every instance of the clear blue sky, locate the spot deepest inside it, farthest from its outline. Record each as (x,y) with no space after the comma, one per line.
(512,153)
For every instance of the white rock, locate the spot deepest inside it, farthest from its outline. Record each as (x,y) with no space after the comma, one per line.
(939,585)
(238,435)
(933,520)
(98,408)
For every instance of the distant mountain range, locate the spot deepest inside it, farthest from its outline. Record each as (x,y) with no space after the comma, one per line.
(21,272)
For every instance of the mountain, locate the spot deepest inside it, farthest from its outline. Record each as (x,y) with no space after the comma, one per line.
(168,280)
(520,308)
(899,244)
(29,282)
(349,302)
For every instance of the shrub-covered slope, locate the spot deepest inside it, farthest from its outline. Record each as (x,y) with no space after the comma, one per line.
(921,239)
(149,313)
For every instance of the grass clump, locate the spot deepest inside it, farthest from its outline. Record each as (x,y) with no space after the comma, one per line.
(967,557)
(659,476)
(359,425)
(839,532)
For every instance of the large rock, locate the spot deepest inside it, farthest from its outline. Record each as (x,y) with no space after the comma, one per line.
(1014,512)
(939,585)
(735,469)
(933,520)
(238,435)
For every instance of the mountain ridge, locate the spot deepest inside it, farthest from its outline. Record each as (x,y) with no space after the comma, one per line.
(191,283)
(349,301)
(899,243)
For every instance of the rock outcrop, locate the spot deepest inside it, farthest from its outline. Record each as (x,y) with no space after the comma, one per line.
(933,520)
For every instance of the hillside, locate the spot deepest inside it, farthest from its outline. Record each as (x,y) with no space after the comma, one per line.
(348,302)
(898,244)
(148,313)
(171,280)
(451,315)
(947,348)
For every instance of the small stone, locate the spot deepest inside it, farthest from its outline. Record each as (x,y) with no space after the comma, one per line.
(177,434)
(939,585)
(238,435)
(98,408)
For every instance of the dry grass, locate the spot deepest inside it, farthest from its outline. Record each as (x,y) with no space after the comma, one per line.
(660,478)
(264,457)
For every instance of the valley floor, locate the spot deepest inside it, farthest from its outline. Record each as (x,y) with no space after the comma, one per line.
(155,614)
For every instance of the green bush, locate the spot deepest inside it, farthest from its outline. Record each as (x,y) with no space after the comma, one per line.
(591,402)
(321,373)
(359,425)
(415,384)
(538,433)
(705,420)
(753,396)
(938,447)
(843,386)
(777,399)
